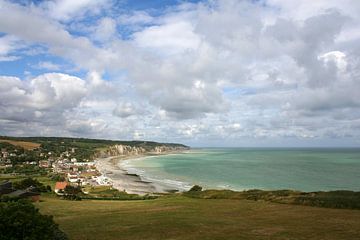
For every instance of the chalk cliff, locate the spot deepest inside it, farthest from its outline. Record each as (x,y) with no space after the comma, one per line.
(140,149)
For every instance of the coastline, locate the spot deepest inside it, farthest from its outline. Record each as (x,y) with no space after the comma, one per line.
(132,182)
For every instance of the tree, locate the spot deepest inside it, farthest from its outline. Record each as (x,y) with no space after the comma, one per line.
(195,188)
(58,178)
(21,220)
(72,192)
(28,182)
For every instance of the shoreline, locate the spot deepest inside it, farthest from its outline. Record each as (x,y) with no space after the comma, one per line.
(124,180)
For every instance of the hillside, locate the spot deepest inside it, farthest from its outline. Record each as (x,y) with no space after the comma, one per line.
(84,141)
(178,217)
(25,145)
(85,148)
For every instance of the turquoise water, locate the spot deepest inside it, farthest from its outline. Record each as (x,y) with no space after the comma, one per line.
(240,168)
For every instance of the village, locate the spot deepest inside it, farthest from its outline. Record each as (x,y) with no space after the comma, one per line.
(65,165)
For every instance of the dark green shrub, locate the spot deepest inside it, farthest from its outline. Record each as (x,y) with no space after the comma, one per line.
(57,178)
(21,220)
(30,182)
(196,188)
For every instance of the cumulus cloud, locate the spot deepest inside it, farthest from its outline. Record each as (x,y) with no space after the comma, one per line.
(214,69)
(47,66)
(65,10)
(136,18)
(166,38)
(105,30)
(8,45)
(125,110)
(41,100)
(25,22)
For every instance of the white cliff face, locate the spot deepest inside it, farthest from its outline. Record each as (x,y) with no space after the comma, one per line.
(126,150)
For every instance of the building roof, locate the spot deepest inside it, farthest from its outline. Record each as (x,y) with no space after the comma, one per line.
(5,185)
(22,193)
(60,185)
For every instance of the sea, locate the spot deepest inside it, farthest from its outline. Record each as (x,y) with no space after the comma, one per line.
(303,169)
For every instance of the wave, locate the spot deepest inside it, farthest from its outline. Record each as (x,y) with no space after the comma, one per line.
(163,183)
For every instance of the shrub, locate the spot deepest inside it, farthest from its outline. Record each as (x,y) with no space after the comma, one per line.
(72,190)
(57,178)
(196,188)
(21,220)
(28,182)
(72,193)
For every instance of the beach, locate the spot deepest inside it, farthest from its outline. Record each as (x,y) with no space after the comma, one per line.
(123,180)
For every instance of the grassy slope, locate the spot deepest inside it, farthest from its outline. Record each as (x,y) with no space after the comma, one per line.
(178,217)
(23,144)
(332,199)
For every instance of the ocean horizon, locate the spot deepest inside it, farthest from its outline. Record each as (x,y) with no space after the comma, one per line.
(295,168)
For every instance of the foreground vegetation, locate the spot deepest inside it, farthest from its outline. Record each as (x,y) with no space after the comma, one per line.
(21,220)
(209,214)
(332,199)
(180,217)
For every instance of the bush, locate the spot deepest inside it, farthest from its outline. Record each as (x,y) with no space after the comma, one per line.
(28,182)
(21,220)
(72,190)
(72,197)
(57,178)
(72,193)
(196,188)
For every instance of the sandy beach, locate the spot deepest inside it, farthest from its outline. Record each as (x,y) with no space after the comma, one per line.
(123,181)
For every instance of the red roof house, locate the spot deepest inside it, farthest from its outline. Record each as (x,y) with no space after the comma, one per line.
(60,186)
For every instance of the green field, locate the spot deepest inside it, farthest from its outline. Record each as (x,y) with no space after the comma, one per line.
(180,217)
(210,214)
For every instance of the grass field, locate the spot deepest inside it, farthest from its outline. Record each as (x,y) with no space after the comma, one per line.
(179,217)
(23,144)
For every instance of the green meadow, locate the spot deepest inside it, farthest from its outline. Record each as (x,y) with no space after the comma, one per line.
(181,217)
(210,214)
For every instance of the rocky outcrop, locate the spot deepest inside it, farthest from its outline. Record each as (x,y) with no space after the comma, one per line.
(127,150)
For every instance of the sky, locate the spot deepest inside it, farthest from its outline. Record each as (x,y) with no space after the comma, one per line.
(217,73)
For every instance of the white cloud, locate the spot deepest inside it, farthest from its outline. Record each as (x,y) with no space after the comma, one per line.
(47,66)
(136,18)
(44,99)
(57,90)
(66,10)
(105,30)
(212,70)
(25,22)
(8,45)
(170,38)
(125,110)
(337,57)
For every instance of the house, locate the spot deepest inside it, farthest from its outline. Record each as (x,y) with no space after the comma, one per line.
(27,193)
(5,154)
(60,187)
(44,164)
(6,189)
(73,179)
(102,180)
(74,168)
(72,175)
